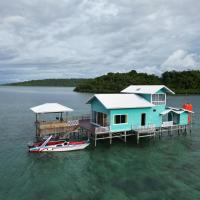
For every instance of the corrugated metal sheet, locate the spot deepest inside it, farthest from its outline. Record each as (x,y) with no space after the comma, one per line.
(50,108)
(114,101)
(146,89)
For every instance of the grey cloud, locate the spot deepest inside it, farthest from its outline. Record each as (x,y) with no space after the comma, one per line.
(51,39)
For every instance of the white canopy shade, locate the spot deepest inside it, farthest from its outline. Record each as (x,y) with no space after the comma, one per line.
(50,108)
(165,112)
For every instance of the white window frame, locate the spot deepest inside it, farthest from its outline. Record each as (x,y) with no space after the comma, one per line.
(158,102)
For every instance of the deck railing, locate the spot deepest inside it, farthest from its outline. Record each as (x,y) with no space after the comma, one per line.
(167,124)
(102,129)
(82,117)
(144,129)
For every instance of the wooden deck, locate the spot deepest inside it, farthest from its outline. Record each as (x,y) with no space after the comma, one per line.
(83,126)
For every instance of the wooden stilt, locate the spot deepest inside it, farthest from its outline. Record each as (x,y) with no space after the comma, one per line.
(171,131)
(160,132)
(138,137)
(110,138)
(95,140)
(125,136)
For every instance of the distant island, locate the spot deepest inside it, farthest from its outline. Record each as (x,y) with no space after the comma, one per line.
(73,82)
(185,82)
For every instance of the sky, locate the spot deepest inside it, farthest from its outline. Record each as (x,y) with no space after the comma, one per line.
(86,38)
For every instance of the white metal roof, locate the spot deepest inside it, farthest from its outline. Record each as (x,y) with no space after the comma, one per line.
(146,89)
(175,110)
(50,108)
(118,101)
(165,111)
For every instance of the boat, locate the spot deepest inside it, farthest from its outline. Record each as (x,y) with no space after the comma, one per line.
(50,143)
(61,147)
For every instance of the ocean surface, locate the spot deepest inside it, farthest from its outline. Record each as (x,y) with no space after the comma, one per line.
(167,168)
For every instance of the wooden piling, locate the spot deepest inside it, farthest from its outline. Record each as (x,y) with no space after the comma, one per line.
(138,137)
(95,140)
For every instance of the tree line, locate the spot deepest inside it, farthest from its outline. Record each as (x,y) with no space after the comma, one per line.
(51,82)
(185,82)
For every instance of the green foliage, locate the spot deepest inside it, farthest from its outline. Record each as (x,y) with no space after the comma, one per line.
(185,82)
(51,82)
(115,82)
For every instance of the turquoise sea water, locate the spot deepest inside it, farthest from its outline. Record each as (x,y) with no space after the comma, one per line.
(168,168)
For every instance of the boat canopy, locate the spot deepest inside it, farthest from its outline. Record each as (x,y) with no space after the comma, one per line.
(50,108)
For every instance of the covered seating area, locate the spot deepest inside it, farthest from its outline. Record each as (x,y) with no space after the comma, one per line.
(55,125)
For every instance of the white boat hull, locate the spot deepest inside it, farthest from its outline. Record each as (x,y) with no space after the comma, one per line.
(67,148)
(60,148)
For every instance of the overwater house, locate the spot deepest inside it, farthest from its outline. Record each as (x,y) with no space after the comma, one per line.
(136,107)
(139,110)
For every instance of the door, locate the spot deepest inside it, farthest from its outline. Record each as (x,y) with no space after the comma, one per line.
(143,119)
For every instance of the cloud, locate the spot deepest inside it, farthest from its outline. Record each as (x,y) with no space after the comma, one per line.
(87,38)
(181,60)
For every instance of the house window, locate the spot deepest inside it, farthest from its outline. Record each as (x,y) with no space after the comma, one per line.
(120,119)
(158,99)
(99,118)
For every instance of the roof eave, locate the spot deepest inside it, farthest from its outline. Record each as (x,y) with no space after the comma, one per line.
(110,108)
(169,91)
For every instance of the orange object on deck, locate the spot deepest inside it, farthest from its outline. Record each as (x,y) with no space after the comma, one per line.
(188,106)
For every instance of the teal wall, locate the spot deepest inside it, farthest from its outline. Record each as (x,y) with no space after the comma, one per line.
(98,107)
(146,96)
(183,118)
(160,92)
(134,114)
(134,117)
(154,115)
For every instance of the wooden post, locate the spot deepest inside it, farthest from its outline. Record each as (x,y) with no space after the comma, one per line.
(110,137)
(160,132)
(138,137)
(36,125)
(171,131)
(125,136)
(95,140)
